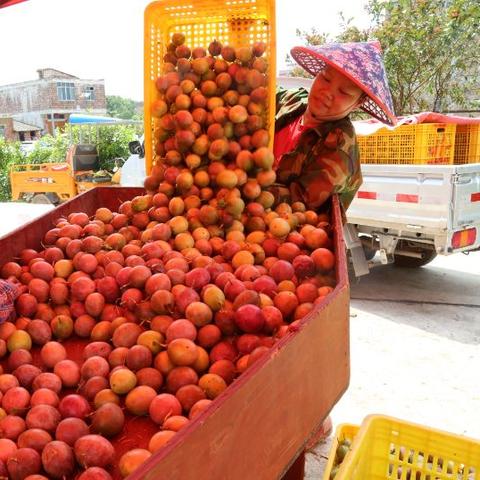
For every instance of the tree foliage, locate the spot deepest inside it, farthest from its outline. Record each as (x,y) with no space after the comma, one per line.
(120,107)
(430,51)
(111,141)
(9,154)
(112,145)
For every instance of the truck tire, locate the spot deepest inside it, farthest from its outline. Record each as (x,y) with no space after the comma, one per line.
(368,248)
(428,254)
(41,198)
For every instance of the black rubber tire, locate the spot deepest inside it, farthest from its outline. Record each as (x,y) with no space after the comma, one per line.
(428,254)
(369,252)
(42,199)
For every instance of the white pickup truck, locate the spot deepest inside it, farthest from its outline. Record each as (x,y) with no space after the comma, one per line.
(411,213)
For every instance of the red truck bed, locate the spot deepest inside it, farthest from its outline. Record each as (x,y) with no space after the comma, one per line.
(261,423)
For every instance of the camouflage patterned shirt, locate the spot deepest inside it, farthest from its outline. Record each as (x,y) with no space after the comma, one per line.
(325,159)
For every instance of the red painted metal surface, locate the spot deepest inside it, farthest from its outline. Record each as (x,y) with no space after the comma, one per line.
(258,428)
(475,197)
(406,198)
(9,3)
(30,235)
(367,195)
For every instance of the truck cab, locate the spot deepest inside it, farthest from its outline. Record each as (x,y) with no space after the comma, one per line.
(133,170)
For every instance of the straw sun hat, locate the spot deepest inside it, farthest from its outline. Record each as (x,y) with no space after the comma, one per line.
(360,62)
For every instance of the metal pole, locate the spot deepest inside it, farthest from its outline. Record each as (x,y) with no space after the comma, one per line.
(53,124)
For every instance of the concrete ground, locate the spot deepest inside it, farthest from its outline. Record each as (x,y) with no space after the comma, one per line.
(15,214)
(415,349)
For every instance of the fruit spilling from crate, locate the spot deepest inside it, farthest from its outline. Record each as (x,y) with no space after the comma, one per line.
(174,296)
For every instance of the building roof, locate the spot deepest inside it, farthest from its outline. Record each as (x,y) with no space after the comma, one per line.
(51,73)
(24,127)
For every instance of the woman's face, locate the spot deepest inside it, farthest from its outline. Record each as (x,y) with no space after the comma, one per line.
(332,96)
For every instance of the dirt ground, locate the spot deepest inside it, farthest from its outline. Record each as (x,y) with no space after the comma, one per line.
(415,349)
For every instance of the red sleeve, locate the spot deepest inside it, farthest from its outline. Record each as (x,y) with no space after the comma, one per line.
(286,140)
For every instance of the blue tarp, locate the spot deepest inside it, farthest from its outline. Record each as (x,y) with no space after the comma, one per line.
(83,119)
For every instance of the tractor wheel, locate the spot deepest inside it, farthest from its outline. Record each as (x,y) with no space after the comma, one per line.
(41,198)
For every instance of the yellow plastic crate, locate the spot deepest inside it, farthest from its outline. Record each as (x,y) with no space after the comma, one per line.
(231,22)
(344,431)
(42,177)
(389,448)
(467,144)
(426,143)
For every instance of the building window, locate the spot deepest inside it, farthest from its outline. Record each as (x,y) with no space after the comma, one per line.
(89,93)
(56,116)
(2,131)
(66,91)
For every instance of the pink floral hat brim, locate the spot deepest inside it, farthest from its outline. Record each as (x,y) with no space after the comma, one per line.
(362,63)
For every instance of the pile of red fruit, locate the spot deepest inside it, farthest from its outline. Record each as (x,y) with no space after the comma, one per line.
(177,293)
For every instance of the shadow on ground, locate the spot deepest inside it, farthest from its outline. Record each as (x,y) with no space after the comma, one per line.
(436,299)
(430,284)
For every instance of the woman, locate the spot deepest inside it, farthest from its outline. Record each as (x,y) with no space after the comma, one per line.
(315,147)
(316,152)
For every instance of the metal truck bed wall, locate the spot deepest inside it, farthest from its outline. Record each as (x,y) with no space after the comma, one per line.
(433,200)
(261,423)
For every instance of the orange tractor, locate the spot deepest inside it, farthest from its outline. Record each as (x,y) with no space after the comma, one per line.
(57,182)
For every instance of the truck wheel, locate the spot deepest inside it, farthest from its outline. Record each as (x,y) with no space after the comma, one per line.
(428,254)
(368,248)
(41,198)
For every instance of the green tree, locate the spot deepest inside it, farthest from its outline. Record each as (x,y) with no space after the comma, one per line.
(120,107)
(312,37)
(111,141)
(50,149)
(112,145)
(430,50)
(9,154)
(349,32)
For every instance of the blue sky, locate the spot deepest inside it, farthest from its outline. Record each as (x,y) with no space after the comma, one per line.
(95,39)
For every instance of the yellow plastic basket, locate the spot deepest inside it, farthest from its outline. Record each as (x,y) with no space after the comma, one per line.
(232,22)
(427,143)
(344,431)
(389,448)
(467,144)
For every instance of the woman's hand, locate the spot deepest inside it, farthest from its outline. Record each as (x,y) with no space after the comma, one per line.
(280,192)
